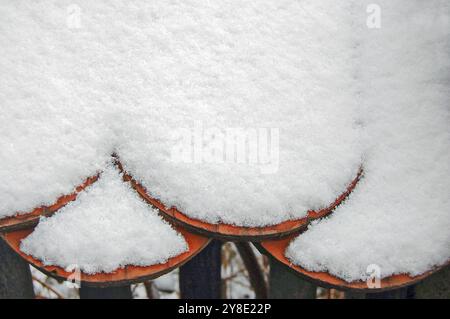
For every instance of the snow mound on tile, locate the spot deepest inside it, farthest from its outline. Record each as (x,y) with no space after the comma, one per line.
(53,133)
(280,72)
(80,81)
(107,228)
(399,216)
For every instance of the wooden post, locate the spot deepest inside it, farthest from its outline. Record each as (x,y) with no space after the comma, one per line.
(436,286)
(200,278)
(285,284)
(123,292)
(15,275)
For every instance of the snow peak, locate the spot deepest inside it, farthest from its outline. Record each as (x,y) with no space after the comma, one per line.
(204,310)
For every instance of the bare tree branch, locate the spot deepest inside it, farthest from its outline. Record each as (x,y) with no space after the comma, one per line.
(255,273)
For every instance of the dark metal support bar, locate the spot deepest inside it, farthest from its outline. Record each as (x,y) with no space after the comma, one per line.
(200,278)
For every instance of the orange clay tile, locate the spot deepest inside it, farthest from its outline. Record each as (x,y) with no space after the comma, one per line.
(231,232)
(277,249)
(31,219)
(127,275)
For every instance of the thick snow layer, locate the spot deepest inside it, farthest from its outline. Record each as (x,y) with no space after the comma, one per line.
(80,81)
(399,216)
(162,84)
(107,228)
(51,133)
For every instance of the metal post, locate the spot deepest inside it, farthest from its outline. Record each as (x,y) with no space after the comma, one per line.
(15,275)
(436,286)
(200,278)
(284,284)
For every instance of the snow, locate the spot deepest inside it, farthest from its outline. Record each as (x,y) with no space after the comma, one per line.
(51,135)
(81,81)
(107,228)
(398,218)
(162,84)
(254,64)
